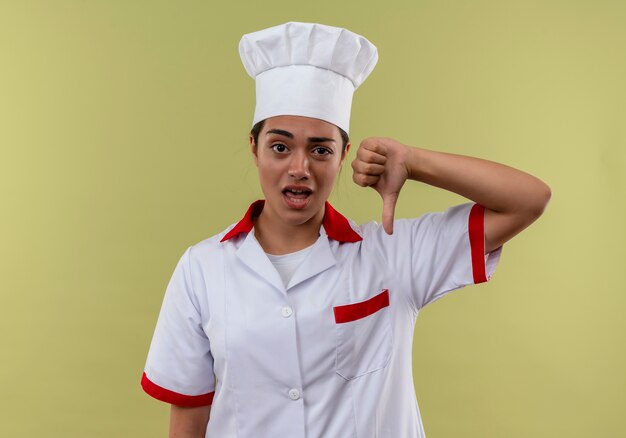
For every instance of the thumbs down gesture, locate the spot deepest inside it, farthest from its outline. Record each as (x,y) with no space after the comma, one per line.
(382,164)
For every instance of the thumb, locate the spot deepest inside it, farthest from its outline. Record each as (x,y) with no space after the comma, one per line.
(389,207)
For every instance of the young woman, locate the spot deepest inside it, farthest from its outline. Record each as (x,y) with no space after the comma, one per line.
(297,322)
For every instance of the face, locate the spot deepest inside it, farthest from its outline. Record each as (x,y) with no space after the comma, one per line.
(298,160)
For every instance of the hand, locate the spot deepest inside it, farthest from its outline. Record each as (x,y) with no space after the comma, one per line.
(382,163)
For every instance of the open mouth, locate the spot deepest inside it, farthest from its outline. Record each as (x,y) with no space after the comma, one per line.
(297,197)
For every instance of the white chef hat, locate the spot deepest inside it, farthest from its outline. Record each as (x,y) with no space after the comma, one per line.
(306,69)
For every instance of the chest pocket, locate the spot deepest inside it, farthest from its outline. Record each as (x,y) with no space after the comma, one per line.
(363,336)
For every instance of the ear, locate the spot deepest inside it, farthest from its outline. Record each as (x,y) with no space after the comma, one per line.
(345,154)
(254,150)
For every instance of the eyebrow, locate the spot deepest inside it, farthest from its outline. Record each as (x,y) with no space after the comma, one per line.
(290,135)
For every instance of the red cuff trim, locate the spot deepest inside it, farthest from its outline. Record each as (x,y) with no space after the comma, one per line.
(476,228)
(352,312)
(175,398)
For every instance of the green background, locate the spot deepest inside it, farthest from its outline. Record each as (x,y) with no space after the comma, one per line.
(123,136)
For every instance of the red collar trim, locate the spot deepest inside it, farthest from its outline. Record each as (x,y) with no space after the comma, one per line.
(336,225)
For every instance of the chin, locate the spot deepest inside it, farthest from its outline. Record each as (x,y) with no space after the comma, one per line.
(299,214)
(298,217)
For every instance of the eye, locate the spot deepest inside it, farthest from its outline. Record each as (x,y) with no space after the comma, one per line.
(320,150)
(279,147)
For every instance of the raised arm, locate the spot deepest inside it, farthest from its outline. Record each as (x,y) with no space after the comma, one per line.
(512,199)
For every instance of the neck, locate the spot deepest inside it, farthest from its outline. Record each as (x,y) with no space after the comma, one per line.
(278,237)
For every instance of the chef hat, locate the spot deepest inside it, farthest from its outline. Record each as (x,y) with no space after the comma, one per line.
(306,69)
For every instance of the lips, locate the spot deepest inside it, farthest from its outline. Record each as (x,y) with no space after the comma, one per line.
(297,197)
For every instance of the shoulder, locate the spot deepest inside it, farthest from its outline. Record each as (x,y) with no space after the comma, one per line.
(210,247)
(403,229)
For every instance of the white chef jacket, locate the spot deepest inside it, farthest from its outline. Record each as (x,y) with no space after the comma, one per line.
(328,356)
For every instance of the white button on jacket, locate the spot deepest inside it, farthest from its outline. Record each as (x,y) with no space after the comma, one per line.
(287,312)
(338,366)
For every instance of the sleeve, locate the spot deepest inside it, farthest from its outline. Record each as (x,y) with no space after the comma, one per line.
(179,367)
(446,251)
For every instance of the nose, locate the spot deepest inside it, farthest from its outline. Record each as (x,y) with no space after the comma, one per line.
(299,165)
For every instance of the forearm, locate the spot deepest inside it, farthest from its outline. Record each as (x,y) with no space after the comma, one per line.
(512,199)
(495,186)
(189,422)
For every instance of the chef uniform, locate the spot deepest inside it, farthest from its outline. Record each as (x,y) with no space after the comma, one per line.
(325,351)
